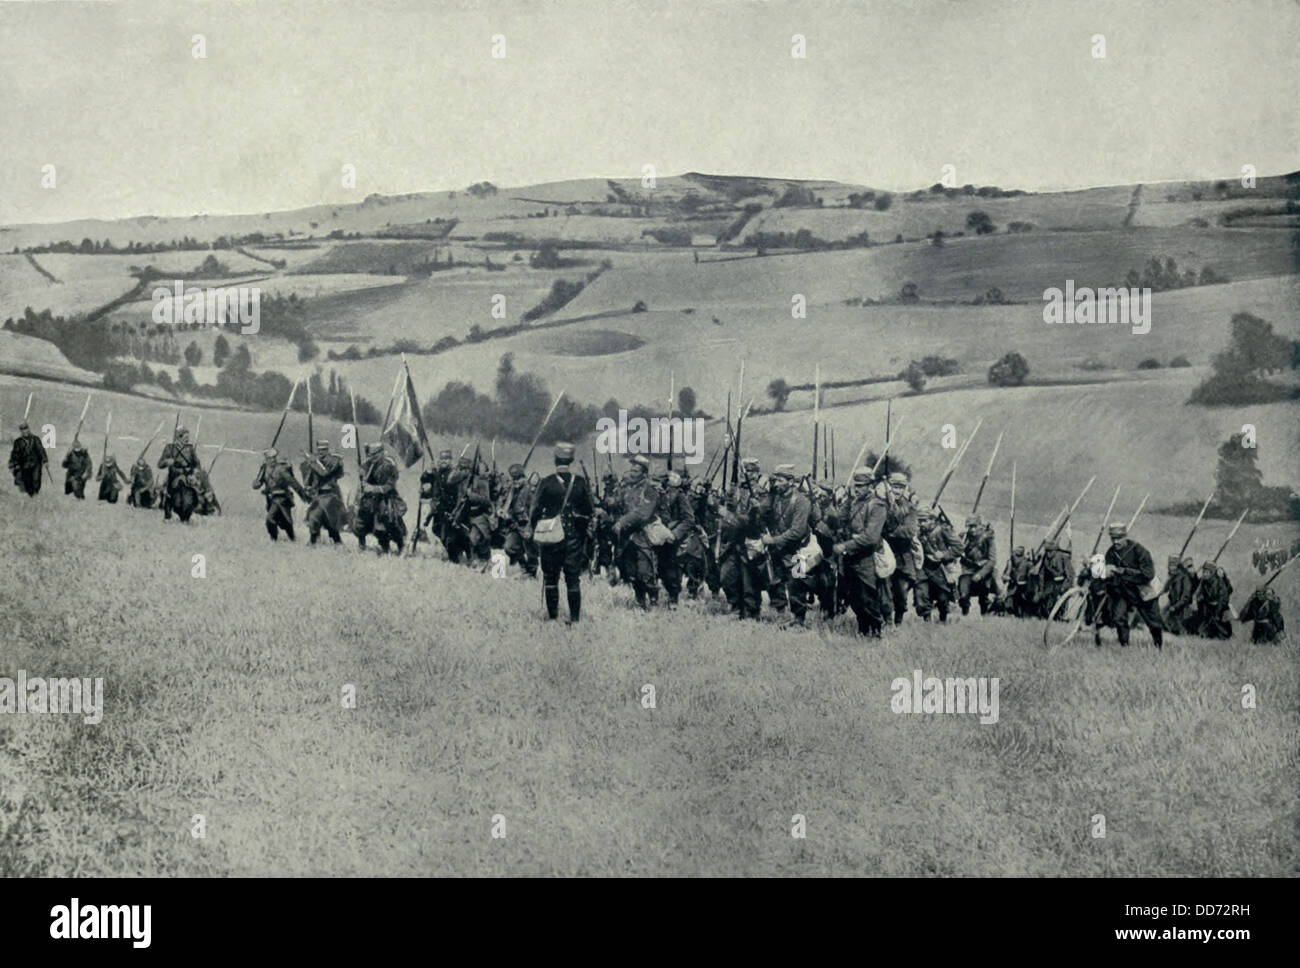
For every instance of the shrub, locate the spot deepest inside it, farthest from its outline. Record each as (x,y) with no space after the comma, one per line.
(1150,363)
(1179,362)
(1010,371)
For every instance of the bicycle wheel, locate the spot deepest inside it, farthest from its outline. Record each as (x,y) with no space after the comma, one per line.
(1065,619)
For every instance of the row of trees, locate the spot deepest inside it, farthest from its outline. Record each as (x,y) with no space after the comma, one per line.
(1159,275)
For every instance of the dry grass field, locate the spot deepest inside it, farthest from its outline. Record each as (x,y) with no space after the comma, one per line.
(223,698)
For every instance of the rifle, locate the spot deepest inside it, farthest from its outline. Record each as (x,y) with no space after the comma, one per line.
(82,420)
(1012,538)
(198,425)
(1279,570)
(177,425)
(283,416)
(1069,510)
(671,387)
(987,471)
(161,424)
(108,426)
(1102,530)
(536,437)
(454,520)
(826,450)
(1141,505)
(27,409)
(728,443)
(952,464)
(1195,525)
(880,461)
(311,436)
(833,472)
(735,454)
(356,431)
(817,399)
(220,450)
(1230,536)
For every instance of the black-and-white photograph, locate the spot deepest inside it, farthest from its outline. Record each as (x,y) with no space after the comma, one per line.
(649,438)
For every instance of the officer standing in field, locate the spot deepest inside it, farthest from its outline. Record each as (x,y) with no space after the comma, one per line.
(276,480)
(562,495)
(1129,569)
(77,464)
(321,475)
(27,460)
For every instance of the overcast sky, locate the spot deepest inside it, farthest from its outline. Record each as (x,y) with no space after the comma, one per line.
(1007,91)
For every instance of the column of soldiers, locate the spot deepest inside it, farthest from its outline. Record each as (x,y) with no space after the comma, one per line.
(867,547)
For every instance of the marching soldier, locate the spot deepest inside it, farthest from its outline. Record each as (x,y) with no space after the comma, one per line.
(108,475)
(791,511)
(276,479)
(866,522)
(179,459)
(1180,587)
(1213,595)
(676,515)
(380,510)
(468,528)
(1265,610)
(639,499)
(563,495)
(899,531)
(1128,569)
(321,475)
(77,464)
(743,561)
(940,547)
(142,490)
(1019,601)
(978,561)
(1054,573)
(433,488)
(27,459)
(517,501)
(696,554)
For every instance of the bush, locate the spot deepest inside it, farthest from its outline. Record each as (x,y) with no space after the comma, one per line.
(193,355)
(1010,371)
(562,292)
(1150,363)
(120,377)
(909,293)
(1179,362)
(165,381)
(980,223)
(914,376)
(883,201)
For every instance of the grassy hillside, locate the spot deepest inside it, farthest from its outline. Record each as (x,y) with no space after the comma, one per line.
(222,697)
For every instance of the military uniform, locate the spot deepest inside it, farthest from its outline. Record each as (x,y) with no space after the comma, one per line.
(639,499)
(1053,577)
(1180,590)
(978,562)
(1128,569)
(468,526)
(277,482)
(321,475)
(108,475)
(574,512)
(380,509)
(180,460)
(1212,620)
(791,513)
(77,464)
(940,546)
(434,490)
(27,459)
(675,513)
(1019,598)
(899,531)
(742,563)
(1264,609)
(866,523)
(517,503)
(143,493)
